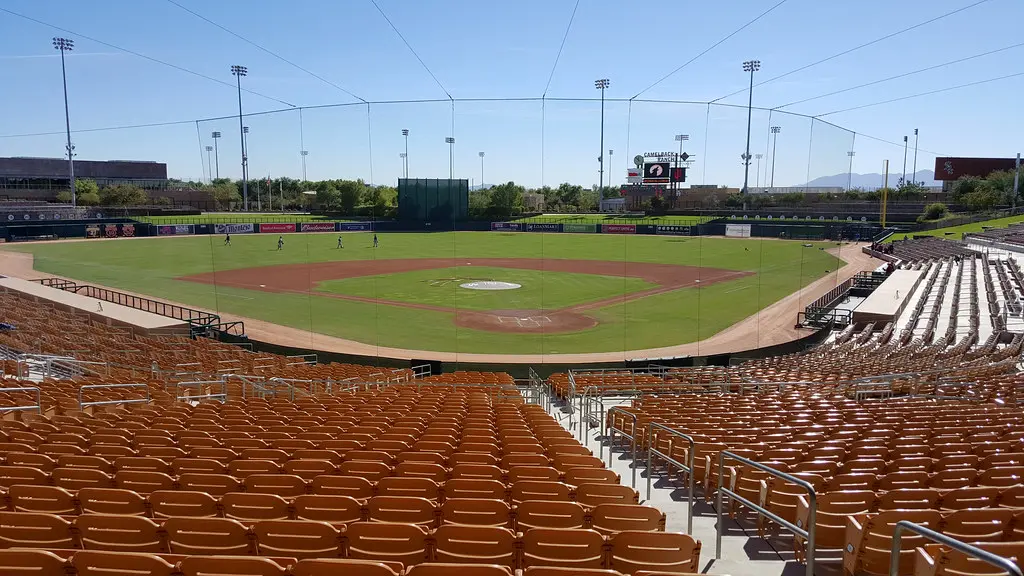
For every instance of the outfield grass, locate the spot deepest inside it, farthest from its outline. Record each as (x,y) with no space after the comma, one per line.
(236,218)
(154,265)
(957,232)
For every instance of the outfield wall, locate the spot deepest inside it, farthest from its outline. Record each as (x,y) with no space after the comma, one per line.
(754,228)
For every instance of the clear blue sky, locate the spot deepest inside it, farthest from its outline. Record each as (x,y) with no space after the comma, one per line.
(500,49)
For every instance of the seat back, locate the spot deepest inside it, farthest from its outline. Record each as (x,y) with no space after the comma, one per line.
(230,566)
(611,518)
(332,509)
(167,504)
(33,530)
(661,551)
(547,514)
(215,536)
(96,563)
(388,542)
(246,506)
(475,544)
(564,548)
(297,538)
(119,533)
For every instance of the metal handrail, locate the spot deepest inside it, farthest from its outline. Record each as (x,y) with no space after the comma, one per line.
(688,468)
(611,438)
(1004,564)
(812,520)
(39,399)
(81,396)
(223,395)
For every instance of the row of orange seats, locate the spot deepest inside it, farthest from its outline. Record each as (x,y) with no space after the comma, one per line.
(334,509)
(97,563)
(407,544)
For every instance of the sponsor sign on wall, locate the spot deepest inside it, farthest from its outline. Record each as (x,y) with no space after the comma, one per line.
(506,227)
(177,230)
(618,228)
(579,228)
(737,230)
(317,227)
(234,228)
(277,228)
(672,230)
(544,227)
(355,226)
(128,230)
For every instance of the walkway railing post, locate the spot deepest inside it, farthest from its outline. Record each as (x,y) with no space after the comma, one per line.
(1004,564)
(687,468)
(611,438)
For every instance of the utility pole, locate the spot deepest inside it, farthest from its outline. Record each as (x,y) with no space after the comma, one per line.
(451,156)
(904,182)
(849,178)
(238,72)
(885,192)
(67,45)
(1016,181)
(405,132)
(304,153)
(209,162)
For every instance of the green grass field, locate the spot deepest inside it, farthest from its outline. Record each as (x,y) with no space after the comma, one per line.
(235,218)
(957,232)
(153,266)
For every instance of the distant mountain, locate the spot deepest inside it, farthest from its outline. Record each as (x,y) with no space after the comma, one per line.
(872,181)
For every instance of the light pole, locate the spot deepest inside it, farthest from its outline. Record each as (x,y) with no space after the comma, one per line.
(304,153)
(67,45)
(611,168)
(601,85)
(403,156)
(216,152)
(914,175)
(405,132)
(481,171)
(238,72)
(758,179)
(849,178)
(904,181)
(209,161)
(450,140)
(749,66)
(775,142)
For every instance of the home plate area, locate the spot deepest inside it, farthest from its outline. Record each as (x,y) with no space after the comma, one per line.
(525,321)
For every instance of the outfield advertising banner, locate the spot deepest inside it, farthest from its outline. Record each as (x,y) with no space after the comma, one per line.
(355,226)
(662,230)
(506,227)
(277,228)
(579,228)
(544,227)
(618,228)
(234,228)
(176,230)
(317,227)
(737,230)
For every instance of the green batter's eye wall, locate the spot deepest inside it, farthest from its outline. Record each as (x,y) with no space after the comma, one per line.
(433,200)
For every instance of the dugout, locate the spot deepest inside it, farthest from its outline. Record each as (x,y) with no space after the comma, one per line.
(433,200)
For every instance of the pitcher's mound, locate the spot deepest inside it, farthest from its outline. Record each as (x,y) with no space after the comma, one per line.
(524,321)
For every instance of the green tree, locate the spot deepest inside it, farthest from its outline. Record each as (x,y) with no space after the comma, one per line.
(224,193)
(934,211)
(328,198)
(351,191)
(479,204)
(85,186)
(964,186)
(64,197)
(88,199)
(123,195)
(506,199)
(569,196)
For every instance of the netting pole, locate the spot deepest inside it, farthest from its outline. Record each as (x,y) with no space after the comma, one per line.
(707,127)
(810,149)
(369,141)
(199,137)
(542,121)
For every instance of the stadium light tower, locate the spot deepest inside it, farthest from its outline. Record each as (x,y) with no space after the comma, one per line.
(238,72)
(611,169)
(209,161)
(450,140)
(775,142)
(749,66)
(216,152)
(601,85)
(849,178)
(405,133)
(758,157)
(67,45)
(916,140)
(304,153)
(481,170)
(405,168)
(905,143)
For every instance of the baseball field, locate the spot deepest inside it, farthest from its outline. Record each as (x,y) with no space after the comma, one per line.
(466,292)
